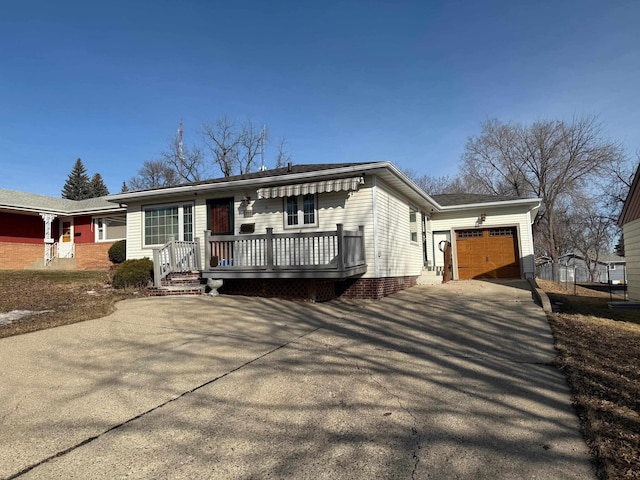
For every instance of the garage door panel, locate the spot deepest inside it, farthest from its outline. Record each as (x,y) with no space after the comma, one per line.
(487,253)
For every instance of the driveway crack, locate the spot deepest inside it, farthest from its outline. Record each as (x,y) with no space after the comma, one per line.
(159,406)
(415,432)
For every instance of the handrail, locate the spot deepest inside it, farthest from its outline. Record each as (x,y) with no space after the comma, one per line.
(328,250)
(50,253)
(175,256)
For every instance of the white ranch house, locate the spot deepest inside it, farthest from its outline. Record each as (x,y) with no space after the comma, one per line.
(354,229)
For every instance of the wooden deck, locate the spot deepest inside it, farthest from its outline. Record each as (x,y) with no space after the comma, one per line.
(337,254)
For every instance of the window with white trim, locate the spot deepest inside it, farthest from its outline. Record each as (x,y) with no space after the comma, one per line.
(413,224)
(300,211)
(109,229)
(165,222)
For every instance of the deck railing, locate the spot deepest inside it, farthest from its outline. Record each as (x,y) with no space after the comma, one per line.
(175,256)
(330,250)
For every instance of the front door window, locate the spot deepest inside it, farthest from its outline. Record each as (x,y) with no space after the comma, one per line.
(66,232)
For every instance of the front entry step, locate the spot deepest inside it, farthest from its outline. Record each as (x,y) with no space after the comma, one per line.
(429,277)
(55,264)
(180,283)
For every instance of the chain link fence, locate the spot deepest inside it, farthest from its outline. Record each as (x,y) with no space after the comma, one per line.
(572,275)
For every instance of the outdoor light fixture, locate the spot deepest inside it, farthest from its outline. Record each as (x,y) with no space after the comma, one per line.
(481,219)
(246,206)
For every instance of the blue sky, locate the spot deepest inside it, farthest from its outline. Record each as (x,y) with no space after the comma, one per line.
(345,81)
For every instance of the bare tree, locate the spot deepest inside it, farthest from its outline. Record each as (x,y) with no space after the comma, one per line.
(591,231)
(185,160)
(251,144)
(236,149)
(223,140)
(444,184)
(552,160)
(282,155)
(154,174)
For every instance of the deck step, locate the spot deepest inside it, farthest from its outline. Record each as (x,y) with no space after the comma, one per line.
(194,289)
(180,283)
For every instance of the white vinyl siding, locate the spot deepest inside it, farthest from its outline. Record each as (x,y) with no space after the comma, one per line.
(631,232)
(496,217)
(398,255)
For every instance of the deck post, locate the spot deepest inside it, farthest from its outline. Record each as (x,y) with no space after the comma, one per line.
(197,254)
(269,247)
(157,268)
(207,249)
(362,254)
(172,255)
(341,252)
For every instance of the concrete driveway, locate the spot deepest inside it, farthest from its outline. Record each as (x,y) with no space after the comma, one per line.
(451,381)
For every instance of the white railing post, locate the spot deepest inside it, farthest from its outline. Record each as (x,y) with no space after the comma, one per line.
(196,254)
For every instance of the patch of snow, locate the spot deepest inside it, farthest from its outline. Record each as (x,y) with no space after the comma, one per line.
(13,315)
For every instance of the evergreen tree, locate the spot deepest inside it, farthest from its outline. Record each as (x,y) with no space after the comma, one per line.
(124,188)
(77,186)
(97,188)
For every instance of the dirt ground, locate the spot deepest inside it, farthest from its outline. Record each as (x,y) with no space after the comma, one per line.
(56,298)
(599,351)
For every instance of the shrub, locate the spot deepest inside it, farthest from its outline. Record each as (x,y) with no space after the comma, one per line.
(133,274)
(118,251)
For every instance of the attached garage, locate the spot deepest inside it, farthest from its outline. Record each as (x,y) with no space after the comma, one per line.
(487,253)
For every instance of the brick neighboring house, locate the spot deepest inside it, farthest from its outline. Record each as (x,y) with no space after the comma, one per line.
(38,231)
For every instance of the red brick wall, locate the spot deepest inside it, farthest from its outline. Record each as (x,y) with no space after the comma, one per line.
(374,287)
(19,228)
(17,256)
(93,256)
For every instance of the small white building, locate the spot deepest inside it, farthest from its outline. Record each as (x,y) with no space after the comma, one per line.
(354,229)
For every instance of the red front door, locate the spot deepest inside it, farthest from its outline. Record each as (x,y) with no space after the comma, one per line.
(221,216)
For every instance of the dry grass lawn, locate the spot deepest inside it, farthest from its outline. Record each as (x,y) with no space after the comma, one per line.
(599,350)
(71,296)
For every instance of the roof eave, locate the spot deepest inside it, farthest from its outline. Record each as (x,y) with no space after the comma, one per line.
(252,182)
(90,211)
(534,202)
(627,201)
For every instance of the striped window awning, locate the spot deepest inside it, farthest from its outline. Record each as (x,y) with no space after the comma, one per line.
(326,186)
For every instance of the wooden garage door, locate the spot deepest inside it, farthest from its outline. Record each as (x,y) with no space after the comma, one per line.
(487,253)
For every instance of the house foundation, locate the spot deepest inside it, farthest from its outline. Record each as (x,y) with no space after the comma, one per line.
(317,290)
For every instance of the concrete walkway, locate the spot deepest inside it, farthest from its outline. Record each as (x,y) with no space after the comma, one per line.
(452,381)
